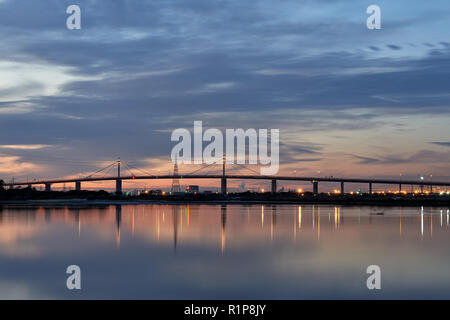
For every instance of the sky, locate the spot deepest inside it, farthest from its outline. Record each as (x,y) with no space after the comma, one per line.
(348,101)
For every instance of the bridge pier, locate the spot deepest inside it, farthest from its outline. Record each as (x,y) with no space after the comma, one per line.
(400,187)
(370,187)
(118,186)
(431,188)
(78,185)
(223,186)
(421,188)
(315,187)
(48,187)
(274,185)
(342,187)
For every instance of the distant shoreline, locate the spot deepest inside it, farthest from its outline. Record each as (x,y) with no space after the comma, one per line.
(32,197)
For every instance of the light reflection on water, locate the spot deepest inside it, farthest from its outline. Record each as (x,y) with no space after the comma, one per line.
(224,251)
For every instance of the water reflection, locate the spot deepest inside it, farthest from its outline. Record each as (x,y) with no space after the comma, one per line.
(175,210)
(118,222)
(223,216)
(295,251)
(138,218)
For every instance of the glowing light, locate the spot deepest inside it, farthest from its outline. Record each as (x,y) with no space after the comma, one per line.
(298,190)
(300,217)
(421,221)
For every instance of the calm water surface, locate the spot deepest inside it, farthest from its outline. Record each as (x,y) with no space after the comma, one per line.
(224,252)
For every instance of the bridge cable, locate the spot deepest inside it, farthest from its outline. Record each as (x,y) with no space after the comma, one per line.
(195,171)
(108,171)
(141,170)
(127,167)
(243,166)
(98,171)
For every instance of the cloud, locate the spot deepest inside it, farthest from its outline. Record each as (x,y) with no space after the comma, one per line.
(23,80)
(17,107)
(137,69)
(367,160)
(24,146)
(394,47)
(421,156)
(374,48)
(12,165)
(444,144)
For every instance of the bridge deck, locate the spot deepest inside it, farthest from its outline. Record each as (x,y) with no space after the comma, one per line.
(241,177)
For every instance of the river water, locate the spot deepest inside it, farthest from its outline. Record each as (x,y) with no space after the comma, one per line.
(201,251)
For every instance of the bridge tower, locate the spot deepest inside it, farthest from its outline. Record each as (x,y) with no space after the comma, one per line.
(223,184)
(118,180)
(315,187)
(175,180)
(274,186)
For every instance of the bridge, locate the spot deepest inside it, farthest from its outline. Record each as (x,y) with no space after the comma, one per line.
(225,177)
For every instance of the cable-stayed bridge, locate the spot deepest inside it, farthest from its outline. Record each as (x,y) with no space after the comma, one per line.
(144,175)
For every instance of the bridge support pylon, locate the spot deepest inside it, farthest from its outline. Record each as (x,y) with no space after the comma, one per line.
(48,187)
(78,185)
(223,186)
(342,187)
(119,186)
(315,187)
(370,188)
(274,185)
